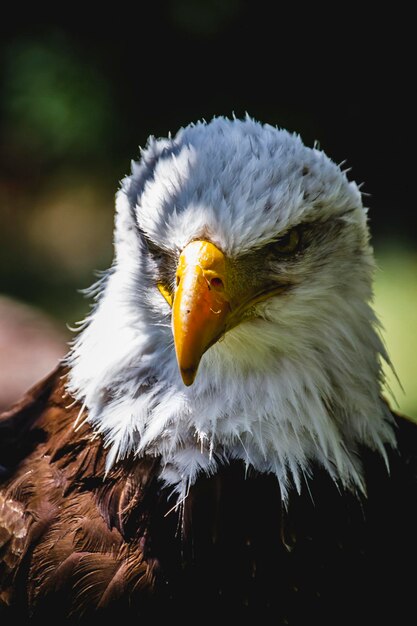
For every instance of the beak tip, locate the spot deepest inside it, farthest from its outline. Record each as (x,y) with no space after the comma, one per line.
(188,375)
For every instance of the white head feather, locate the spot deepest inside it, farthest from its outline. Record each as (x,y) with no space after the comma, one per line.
(297,382)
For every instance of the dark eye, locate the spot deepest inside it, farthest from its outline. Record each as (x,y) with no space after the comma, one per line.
(289,243)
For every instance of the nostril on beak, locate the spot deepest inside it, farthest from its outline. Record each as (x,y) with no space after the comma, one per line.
(217,283)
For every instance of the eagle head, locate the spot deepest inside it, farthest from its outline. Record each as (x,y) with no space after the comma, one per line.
(236,321)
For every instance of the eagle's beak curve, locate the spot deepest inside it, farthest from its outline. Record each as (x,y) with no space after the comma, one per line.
(201,304)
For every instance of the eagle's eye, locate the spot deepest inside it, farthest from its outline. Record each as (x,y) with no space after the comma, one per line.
(289,243)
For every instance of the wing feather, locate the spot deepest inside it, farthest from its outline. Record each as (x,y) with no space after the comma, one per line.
(13,533)
(70,534)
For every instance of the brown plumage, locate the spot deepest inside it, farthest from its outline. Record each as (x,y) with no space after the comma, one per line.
(62,522)
(76,541)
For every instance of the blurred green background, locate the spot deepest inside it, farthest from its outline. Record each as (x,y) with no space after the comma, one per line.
(80,94)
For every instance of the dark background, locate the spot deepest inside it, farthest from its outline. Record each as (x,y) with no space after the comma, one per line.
(80,91)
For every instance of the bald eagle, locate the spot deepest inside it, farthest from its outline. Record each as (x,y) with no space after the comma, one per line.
(217,437)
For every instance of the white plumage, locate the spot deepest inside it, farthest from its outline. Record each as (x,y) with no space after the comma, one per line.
(300,378)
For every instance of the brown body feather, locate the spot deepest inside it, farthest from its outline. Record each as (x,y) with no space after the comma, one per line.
(76,542)
(62,521)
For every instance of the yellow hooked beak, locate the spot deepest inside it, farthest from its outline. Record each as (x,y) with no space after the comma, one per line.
(201,304)
(211,297)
